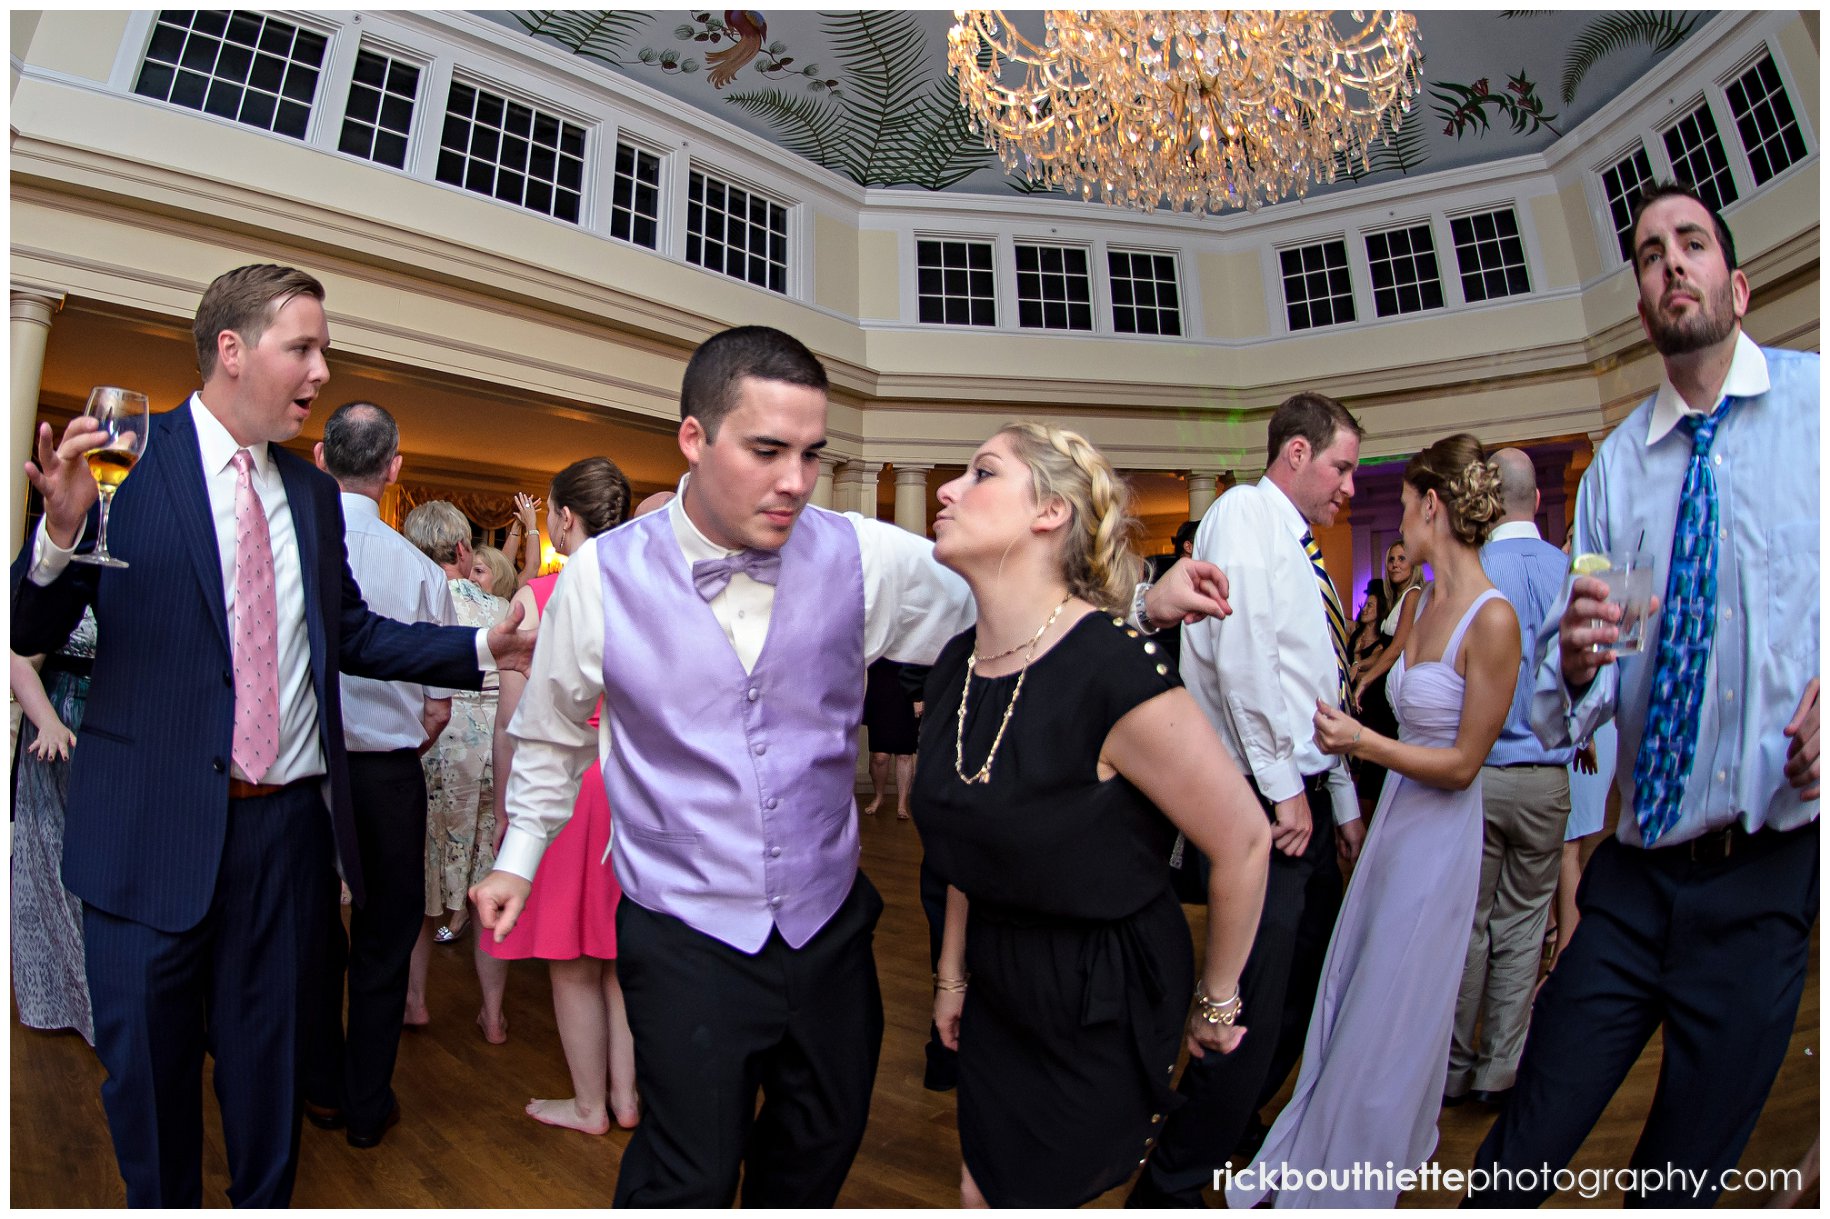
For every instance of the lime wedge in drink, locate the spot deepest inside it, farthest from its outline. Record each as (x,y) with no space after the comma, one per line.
(1589,564)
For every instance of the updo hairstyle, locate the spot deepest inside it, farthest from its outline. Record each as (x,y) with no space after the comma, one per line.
(1457,469)
(595,491)
(1098,558)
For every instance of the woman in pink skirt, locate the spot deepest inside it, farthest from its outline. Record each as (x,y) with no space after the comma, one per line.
(570,917)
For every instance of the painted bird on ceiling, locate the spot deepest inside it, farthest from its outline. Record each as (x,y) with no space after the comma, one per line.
(750,28)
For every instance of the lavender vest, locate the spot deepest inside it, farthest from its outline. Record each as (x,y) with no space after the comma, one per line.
(732,791)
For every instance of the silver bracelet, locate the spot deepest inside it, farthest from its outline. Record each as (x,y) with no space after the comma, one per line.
(1139,613)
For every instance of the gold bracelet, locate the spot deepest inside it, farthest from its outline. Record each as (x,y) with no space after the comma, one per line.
(953,986)
(1224,1012)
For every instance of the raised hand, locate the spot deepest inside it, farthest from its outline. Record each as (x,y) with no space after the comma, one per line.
(61,476)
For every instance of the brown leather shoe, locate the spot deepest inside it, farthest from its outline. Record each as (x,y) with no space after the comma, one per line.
(324,1117)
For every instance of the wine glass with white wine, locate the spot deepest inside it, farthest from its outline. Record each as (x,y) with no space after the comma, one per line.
(123,417)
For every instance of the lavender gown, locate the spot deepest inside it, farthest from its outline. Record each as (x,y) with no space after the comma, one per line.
(1371,1082)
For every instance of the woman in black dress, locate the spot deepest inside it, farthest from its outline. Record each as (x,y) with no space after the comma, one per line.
(1053,735)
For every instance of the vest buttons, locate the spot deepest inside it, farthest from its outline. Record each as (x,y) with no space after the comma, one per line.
(754,694)
(760,749)
(771,802)
(775,901)
(775,852)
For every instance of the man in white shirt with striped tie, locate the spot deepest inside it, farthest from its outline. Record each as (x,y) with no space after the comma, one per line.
(1257,677)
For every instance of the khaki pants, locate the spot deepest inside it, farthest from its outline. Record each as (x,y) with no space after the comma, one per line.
(1526,811)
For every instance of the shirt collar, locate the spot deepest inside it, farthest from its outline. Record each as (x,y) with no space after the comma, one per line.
(359,507)
(695,545)
(1747,378)
(1286,508)
(1507,531)
(217,446)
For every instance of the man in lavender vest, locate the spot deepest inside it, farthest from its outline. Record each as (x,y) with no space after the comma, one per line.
(728,637)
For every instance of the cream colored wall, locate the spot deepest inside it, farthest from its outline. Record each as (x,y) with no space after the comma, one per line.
(835,265)
(1232,294)
(879,277)
(79,43)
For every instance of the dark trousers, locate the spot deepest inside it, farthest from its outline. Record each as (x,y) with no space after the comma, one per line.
(1716,953)
(231,987)
(713,1025)
(1277,987)
(355,1072)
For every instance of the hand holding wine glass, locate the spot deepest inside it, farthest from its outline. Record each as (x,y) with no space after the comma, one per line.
(121,418)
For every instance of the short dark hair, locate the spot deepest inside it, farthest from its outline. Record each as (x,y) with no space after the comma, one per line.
(1185,532)
(360,439)
(595,490)
(244,300)
(1315,417)
(1681,190)
(709,390)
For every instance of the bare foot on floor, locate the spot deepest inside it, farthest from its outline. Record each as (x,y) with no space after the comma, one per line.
(566,1113)
(417,1016)
(629,1111)
(870,810)
(496,1033)
(902,814)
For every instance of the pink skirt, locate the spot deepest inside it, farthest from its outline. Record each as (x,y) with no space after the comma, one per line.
(572,909)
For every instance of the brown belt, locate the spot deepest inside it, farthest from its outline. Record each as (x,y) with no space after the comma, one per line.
(241,789)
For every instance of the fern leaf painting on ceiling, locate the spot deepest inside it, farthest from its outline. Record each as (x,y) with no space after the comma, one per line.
(596,35)
(892,123)
(1616,31)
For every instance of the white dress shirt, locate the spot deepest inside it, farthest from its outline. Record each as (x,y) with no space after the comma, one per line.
(1258,673)
(400,582)
(912,606)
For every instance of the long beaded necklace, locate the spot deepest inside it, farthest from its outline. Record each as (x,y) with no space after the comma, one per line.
(983,775)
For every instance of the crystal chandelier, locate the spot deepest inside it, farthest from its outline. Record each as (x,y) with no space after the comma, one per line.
(1185,108)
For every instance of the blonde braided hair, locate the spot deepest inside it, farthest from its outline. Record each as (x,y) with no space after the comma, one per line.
(1099,558)
(1468,484)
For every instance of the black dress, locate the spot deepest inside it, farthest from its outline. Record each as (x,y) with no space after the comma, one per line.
(1080,957)
(889,712)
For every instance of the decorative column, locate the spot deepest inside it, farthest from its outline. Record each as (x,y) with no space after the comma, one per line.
(822,487)
(867,473)
(912,498)
(1203,490)
(31,330)
(845,484)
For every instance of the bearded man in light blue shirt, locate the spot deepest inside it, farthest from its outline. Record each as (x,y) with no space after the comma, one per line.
(1697,916)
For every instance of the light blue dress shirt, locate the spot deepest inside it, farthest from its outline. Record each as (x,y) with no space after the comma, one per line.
(1530,573)
(1766,467)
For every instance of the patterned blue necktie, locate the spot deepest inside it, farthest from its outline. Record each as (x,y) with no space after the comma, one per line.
(1337,621)
(1686,628)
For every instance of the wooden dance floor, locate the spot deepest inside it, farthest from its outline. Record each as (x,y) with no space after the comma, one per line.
(464,1141)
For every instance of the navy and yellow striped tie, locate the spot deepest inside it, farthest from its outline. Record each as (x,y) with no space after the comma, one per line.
(1331,606)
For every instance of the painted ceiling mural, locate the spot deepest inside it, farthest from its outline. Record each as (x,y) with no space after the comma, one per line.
(865,92)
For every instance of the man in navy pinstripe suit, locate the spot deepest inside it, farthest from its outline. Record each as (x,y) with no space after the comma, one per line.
(203,879)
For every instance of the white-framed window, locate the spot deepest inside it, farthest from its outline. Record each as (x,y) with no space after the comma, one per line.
(1146,294)
(1765,120)
(1054,287)
(635,196)
(378,118)
(1694,147)
(1622,183)
(1318,290)
(509,150)
(243,66)
(1490,255)
(1405,275)
(735,231)
(955,284)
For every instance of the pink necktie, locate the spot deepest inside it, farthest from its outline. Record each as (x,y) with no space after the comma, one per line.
(256,632)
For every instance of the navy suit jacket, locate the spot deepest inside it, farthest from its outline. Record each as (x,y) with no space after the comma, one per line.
(148,803)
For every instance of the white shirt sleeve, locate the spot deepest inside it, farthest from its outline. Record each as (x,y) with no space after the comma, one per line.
(1341,793)
(554,741)
(48,558)
(1241,681)
(912,605)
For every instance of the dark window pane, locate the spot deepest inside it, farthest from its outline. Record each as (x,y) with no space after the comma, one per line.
(257,110)
(397,114)
(363,106)
(450,167)
(371,69)
(391,149)
(489,109)
(308,47)
(167,42)
(292,120)
(155,81)
(189,88)
(518,119)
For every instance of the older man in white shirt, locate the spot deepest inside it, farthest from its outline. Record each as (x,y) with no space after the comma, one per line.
(1257,676)
(386,726)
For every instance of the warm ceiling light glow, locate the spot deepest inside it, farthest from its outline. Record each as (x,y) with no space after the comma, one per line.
(1184,108)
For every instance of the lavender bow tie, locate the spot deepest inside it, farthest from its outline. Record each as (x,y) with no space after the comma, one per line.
(710,576)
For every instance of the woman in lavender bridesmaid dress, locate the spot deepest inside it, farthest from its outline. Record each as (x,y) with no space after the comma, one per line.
(1372,1074)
